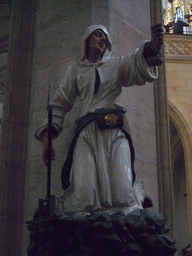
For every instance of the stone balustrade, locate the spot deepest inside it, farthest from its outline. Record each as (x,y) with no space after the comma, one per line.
(178,47)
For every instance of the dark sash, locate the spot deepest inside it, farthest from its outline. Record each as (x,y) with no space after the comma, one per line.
(106,119)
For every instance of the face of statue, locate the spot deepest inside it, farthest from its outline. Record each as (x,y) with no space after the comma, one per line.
(98,41)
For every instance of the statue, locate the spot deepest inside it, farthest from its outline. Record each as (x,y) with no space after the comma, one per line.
(98,174)
(101,210)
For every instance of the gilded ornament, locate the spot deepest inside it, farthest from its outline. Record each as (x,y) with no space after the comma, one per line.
(111,119)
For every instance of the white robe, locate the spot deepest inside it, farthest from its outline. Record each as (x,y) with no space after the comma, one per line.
(101,175)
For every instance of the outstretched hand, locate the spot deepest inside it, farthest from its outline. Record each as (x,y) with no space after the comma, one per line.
(157,35)
(152,49)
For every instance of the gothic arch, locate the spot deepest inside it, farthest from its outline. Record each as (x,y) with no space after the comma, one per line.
(186,141)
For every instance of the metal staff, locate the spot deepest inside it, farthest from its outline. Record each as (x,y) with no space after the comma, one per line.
(47,205)
(49,152)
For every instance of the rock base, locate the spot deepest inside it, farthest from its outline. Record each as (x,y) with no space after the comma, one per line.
(140,233)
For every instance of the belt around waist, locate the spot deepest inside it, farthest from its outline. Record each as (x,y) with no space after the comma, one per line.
(106,119)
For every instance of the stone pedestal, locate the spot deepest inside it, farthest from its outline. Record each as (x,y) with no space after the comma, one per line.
(140,233)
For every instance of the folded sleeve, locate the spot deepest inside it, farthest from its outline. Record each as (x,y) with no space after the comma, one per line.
(135,70)
(61,104)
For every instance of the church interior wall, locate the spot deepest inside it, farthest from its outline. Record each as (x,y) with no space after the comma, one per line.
(178,58)
(179,88)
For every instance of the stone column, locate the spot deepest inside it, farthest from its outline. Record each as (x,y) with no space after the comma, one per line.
(15,125)
(162,130)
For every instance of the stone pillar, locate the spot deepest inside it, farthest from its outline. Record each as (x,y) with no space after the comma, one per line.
(15,126)
(162,130)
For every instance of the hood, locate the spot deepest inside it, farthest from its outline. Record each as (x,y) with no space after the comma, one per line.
(87,33)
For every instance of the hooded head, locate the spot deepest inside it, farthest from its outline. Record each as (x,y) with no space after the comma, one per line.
(87,36)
